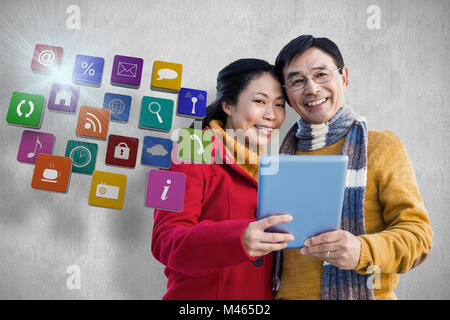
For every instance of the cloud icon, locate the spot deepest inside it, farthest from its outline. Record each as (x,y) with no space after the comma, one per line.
(157,150)
(167,74)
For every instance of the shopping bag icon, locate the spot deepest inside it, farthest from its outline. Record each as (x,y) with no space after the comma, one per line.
(127,69)
(122,151)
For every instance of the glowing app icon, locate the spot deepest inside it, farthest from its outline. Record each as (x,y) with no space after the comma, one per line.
(25,109)
(122,151)
(165,190)
(107,190)
(157,152)
(195,145)
(166,76)
(192,103)
(51,173)
(46,59)
(83,155)
(34,143)
(88,70)
(127,71)
(63,98)
(156,113)
(93,122)
(119,105)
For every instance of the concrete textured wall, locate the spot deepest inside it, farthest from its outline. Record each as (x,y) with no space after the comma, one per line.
(398,80)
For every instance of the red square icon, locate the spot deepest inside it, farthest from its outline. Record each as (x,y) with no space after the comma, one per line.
(122,151)
(52,172)
(46,59)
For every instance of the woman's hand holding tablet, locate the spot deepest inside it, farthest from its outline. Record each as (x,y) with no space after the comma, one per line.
(258,243)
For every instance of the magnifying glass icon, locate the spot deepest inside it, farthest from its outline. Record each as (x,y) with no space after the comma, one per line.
(158,109)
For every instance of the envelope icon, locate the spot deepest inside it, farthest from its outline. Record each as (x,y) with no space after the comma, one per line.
(126,69)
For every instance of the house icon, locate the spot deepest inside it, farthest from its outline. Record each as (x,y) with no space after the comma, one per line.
(63,95)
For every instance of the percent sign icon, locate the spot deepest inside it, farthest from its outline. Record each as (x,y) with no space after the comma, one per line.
(87,68)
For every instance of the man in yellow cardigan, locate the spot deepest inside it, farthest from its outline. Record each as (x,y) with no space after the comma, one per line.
(385,227)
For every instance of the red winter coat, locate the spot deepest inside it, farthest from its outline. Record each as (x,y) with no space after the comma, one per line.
(201,247)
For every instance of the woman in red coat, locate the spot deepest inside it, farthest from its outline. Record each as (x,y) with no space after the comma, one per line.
(214,248)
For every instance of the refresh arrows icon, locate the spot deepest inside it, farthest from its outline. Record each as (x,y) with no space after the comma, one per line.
(19,112)
(25,109)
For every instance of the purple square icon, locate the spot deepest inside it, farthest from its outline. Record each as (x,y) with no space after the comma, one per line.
(33,143)
(165,190)
(63,97)
(127,71)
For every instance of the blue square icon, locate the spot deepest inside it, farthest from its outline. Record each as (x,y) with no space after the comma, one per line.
(88,70)
(119,104)
(157,152)
(191,103)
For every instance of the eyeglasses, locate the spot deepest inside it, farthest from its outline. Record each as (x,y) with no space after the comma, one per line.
(298,82)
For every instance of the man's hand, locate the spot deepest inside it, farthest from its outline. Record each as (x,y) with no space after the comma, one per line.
(340,248)
(258,243)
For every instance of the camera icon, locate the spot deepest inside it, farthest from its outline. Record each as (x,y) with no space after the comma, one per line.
(106,191)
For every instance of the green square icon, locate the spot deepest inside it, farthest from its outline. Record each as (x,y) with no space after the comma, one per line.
(195,145)
(83,155)
(156,113)
(25,109)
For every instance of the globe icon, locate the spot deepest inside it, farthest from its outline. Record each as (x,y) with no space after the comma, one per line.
(116,106)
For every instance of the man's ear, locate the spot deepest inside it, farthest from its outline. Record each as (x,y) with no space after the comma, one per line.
(227,108)
(345,77)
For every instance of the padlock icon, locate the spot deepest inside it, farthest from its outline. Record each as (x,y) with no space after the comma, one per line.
(122,151)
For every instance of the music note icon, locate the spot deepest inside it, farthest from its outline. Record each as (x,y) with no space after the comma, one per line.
(34,143)
(33,154)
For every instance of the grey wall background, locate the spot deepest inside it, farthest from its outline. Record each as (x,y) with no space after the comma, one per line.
(398,81)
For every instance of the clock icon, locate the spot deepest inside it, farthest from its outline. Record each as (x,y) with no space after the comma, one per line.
(81,156)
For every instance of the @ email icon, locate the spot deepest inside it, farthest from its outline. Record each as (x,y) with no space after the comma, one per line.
(107,190)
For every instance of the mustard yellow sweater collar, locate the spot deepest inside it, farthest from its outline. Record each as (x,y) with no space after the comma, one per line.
(236,150)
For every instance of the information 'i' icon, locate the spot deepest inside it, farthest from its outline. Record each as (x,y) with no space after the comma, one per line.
(166,189)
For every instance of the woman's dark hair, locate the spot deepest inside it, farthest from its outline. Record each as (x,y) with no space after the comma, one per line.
(302,43)
(231,81)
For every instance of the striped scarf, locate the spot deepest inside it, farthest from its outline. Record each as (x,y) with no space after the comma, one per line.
(340,284)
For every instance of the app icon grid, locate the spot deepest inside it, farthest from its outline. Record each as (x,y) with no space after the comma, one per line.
(52,172)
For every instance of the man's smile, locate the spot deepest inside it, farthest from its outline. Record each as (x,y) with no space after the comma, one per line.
(316,104)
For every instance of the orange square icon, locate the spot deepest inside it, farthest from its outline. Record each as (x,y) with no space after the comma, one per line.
(93,122)
(52,172)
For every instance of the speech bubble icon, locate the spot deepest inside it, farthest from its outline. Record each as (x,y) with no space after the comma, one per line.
(167,74)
